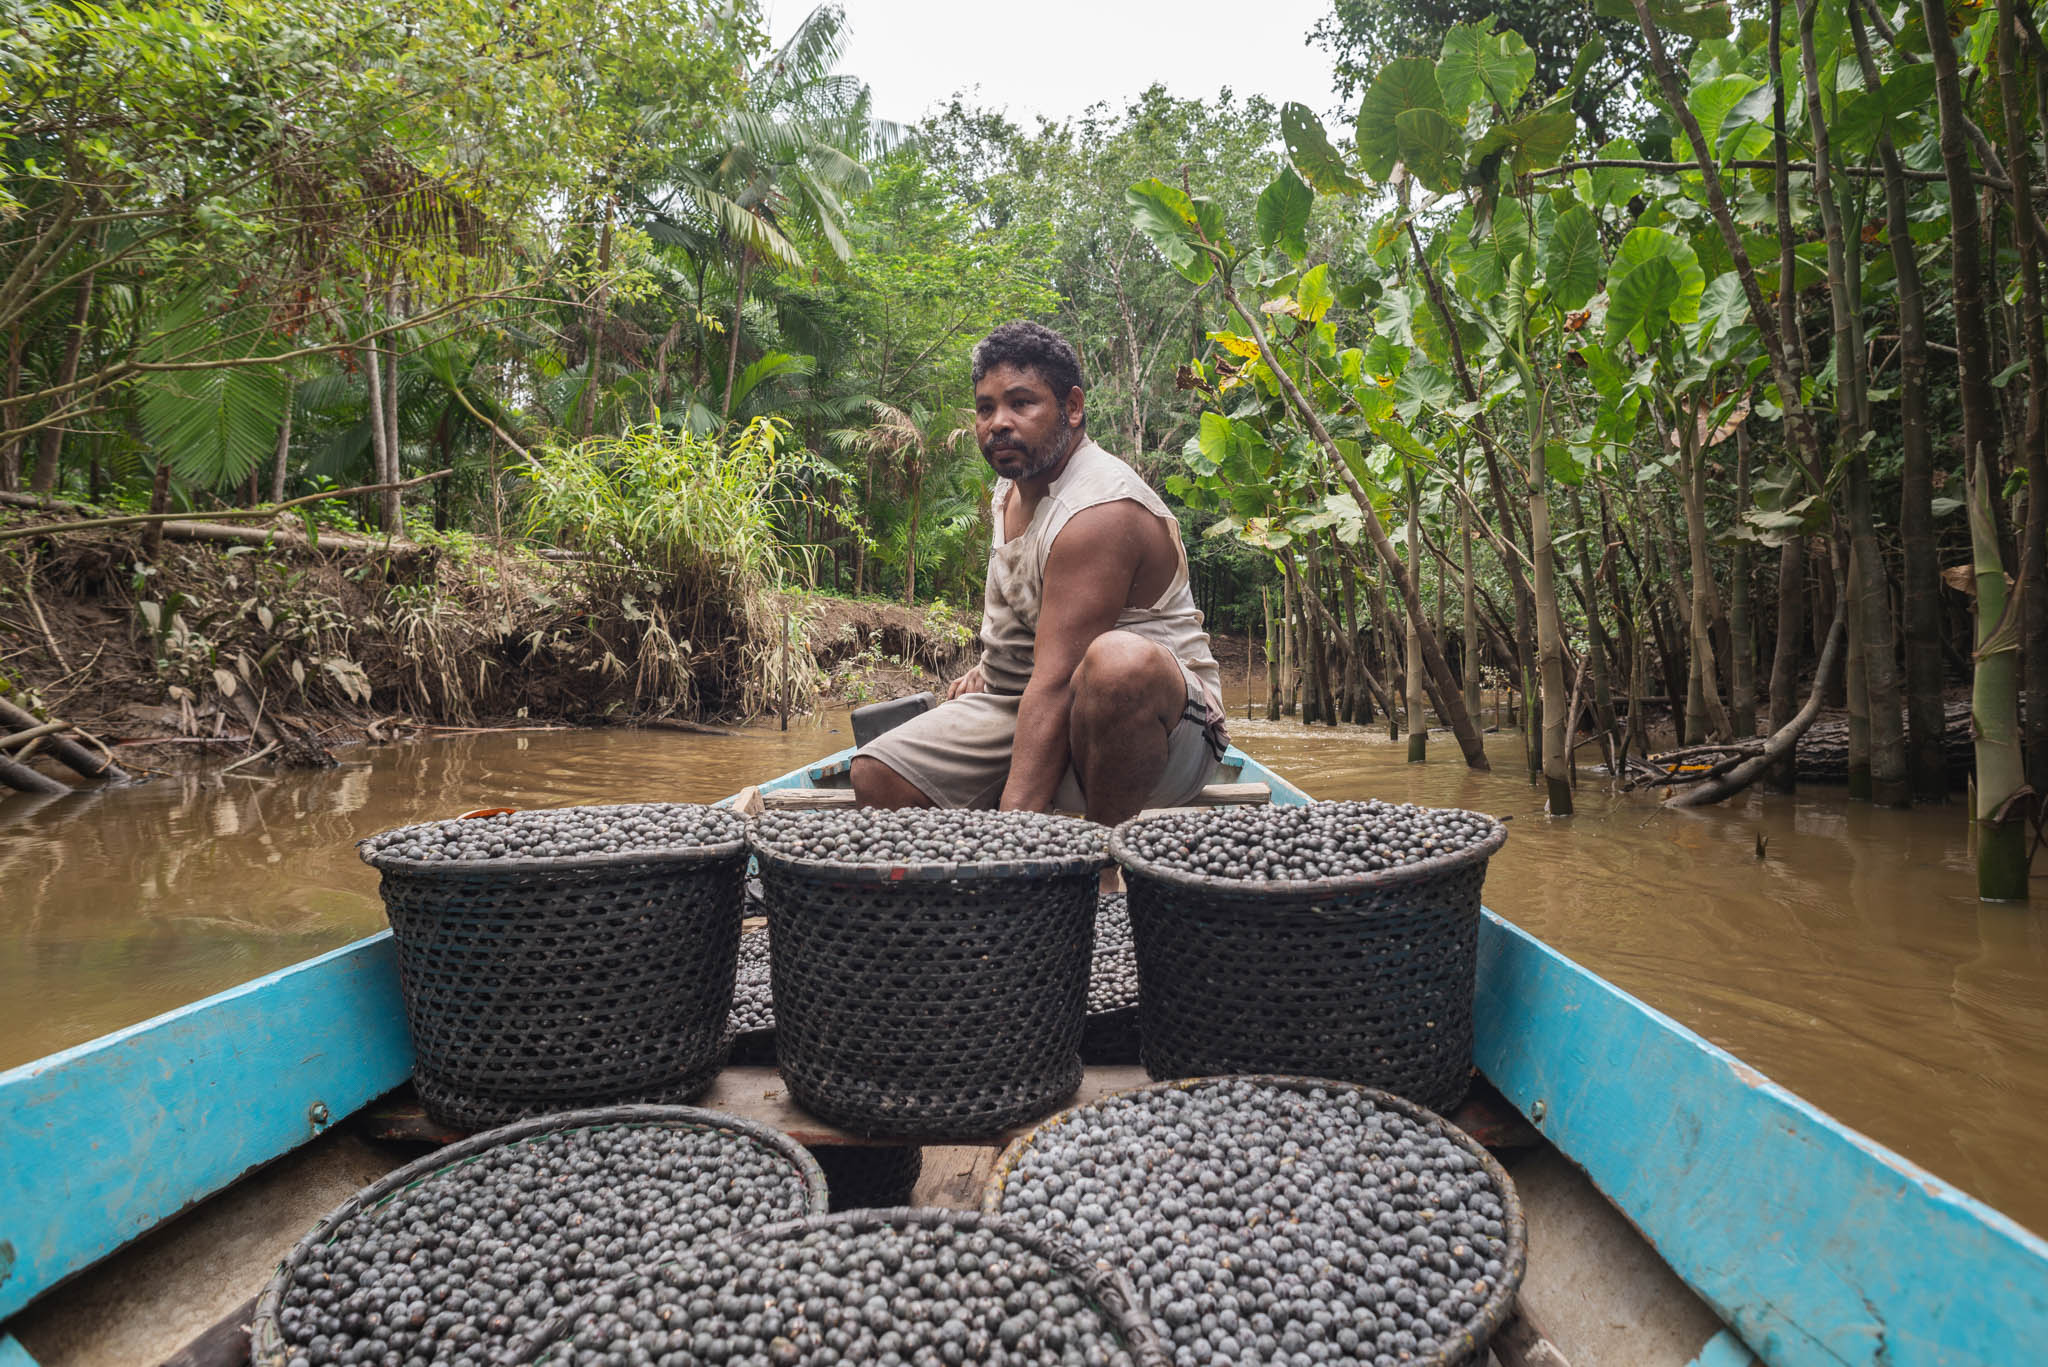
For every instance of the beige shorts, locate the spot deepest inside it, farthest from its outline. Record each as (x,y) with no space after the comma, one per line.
(958,754)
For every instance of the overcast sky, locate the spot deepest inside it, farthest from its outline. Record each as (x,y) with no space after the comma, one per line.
(1057,57)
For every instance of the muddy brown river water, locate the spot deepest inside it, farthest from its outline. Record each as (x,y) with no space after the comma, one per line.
(1852,963)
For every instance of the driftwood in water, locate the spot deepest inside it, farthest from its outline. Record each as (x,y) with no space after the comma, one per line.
(695,728)
(297,746)
(69,752)
(1785,739)
(23,779)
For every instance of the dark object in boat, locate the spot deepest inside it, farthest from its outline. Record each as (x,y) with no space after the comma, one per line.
(879,717)
(1257,1215)
(547,984)
(930,1000)
(870,1177)
(1361,976)
(452,1256)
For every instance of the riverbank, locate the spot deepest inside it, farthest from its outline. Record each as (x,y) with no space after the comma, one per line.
(194,654)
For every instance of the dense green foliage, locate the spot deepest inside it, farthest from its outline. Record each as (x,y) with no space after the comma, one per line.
(1637,356)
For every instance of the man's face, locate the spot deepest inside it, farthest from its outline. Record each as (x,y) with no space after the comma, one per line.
(1024,431)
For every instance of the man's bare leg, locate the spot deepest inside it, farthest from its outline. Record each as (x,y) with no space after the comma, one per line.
(1128,696)
(875,784)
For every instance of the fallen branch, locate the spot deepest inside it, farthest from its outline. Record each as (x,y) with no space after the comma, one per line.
(23,779)
(48,728)
(68,752)
(1785,738)
(141,519)
(250,759)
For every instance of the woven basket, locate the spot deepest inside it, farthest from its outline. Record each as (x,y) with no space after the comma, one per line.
(1108,1290)
(753,1005)
(870,1177)
(267,1344)
(1468,1348)
(540,985)
(929,1001)
(1366,978)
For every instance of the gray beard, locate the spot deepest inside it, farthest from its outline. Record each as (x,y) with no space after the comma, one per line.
(1056,450)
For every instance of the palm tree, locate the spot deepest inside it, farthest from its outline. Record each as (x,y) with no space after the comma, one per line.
(906,439)
(783,163)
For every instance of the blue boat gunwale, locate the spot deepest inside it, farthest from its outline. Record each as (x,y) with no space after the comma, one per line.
(1894,1266)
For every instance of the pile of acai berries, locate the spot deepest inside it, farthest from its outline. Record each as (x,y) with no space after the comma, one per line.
(850,1292)
(753,1004)
(1270,1225)
(927,835)
(562,833)
(1316,840)
(1113,972)
(451,1269)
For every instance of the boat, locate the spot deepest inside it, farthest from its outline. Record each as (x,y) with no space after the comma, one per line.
(1683,1210)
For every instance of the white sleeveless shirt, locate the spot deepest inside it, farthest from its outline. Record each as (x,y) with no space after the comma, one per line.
(1016,575)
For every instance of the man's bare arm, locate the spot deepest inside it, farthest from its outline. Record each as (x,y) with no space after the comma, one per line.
(1088,577)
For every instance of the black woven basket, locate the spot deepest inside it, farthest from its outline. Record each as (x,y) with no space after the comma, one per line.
(929,1001)
(1468,1349)
(268,1346)
(541,985)
(1107,1290)
(753,1003)
(870,1176)
(1366,978)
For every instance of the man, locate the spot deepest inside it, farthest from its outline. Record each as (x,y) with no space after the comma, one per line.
(1096,691)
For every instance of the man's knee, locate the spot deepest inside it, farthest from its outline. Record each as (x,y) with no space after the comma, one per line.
(1124,674)
(875,784)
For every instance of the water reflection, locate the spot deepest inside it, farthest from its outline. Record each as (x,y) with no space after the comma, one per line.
(1853,963)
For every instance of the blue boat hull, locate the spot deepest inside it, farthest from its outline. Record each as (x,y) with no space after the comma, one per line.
(1817,1246)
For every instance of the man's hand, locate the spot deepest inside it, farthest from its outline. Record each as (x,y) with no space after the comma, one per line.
(970,682)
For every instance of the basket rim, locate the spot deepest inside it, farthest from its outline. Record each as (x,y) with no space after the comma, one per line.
(1108,1285)
(266,1333)
(1315,889)
(567,863)
(1492,1315)
(843,872)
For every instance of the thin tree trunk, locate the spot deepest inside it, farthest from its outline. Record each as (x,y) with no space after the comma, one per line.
(1470,672)
(10,447)
(1272,657)
(1326,688)
(1354,691)
(280,464)
(1741,640)
(1994,704)
(910,546)
(593,371)
(159,503)
(1418,727)
(1926,724)
(1703,611)
(393,499)
(380,463)
(1856,685)
(1785,654)
(1557,760)
(50,446)
(732,351)
(2033,577)
(1598,643)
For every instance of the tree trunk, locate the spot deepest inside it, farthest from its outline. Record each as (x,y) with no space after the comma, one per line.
(1598,643)
(1354,690)
(1272,657)
(1557,759)
(1741,640)
(2033,577)
(1290,639)
(10,447)
(1470,672)
(1926,724)
(910,546)
(50,447)
(1785,653)
(380,462)
(1326,689)
(280,464)
(1994,703)
(1693,458)
(732,351)
(1856,685)
(392,500)
(159,502)
(593,370)
(1418,726)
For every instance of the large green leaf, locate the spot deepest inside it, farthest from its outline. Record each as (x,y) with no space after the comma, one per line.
(1283,211)
(1537,141)
(1313,295)
(1404,84)
(1639,303)
(1693,18)
(1646,244)
(1166,215)
(1481,65)
(1430,145)
(1571,257)
(1610,186)
(1308,147)
(214,426)
(1711,101)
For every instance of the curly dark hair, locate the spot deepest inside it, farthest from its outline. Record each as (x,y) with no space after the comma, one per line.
(1034,347)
